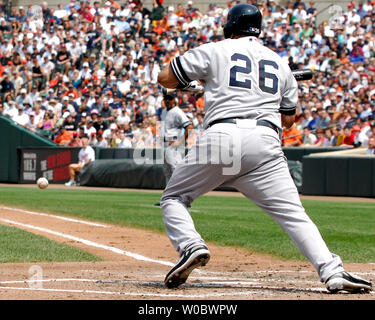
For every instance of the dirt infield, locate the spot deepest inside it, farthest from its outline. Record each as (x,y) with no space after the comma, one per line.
(134,269)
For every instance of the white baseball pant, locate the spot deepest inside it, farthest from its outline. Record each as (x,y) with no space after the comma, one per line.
(259,170)
(172,156)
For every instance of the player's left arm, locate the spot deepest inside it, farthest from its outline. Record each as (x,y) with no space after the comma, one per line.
(287,120)
(183,139)
(188,129)
(289,94)
(166,78)
(182,70)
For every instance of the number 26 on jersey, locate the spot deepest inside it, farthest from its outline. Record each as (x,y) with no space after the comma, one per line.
(247,69)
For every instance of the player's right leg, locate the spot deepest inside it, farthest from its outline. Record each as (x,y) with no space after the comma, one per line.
(272,188)
(194,176)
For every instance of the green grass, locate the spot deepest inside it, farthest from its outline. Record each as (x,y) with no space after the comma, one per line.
(347,228)
(21,246)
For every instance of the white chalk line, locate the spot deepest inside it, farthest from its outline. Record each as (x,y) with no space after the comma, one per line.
(247,273)
(235,283)
(107,226)
(47,280)
(194,285)
(55,216)
(235,286)
(88,242)
(135,256)
(240,283)
(220,281)
(140,294)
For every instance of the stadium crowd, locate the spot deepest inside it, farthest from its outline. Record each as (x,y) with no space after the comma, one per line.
(91,69)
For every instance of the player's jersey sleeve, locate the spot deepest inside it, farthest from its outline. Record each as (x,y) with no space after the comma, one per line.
(193,65)
(181,119)
(289,94)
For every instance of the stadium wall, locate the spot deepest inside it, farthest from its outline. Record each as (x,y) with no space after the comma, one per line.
(331,171)
(339,175)
(11,138)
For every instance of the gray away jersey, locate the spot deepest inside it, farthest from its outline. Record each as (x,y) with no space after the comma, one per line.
(242,79)
(175,121)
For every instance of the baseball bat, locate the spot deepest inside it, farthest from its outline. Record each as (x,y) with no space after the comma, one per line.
(303,74)
(299,75)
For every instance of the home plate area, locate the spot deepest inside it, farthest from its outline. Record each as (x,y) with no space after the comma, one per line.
(117,281)
(134,270)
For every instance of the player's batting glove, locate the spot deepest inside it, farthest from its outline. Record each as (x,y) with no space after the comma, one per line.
(194,87)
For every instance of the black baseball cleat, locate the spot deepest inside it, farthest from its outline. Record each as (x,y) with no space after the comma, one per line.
(157,204)
(344,281)
(193,257)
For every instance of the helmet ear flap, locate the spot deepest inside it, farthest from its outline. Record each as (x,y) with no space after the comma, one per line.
(227,31)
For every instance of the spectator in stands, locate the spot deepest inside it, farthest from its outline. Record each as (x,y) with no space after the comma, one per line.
(47,124)
(329,137)
(107,112)
(314,119)
(75,140)
(89,51)
(6,85)
(292,137)
(356,130)
(125,141)
(21,118)
(308,138)
(85,156)
(371,145)
(100,141)
(88,127)
(356,55)
(63,59)
(340,136)
(63,137)
(320,138)
(348,137)
(68,122)
(10,109)
(324,118)
(32,124)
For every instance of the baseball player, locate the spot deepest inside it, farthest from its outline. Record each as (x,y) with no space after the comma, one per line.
(176,122)
(250,94)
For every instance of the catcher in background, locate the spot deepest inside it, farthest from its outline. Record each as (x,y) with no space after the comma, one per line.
(250,94)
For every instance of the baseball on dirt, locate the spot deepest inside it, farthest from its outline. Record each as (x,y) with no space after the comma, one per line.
(42,183)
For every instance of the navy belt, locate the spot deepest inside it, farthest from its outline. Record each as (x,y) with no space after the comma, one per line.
(263,123)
